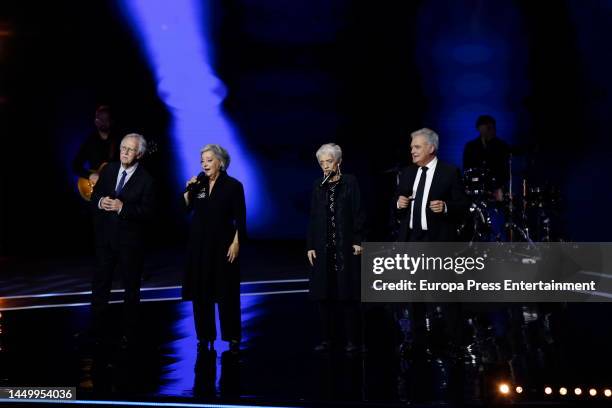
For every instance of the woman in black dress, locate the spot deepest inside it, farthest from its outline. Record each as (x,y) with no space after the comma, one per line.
(218,228)
(335,232)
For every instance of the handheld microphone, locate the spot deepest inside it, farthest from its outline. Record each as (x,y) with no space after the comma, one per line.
(326,179)
(408,194)
(194,187)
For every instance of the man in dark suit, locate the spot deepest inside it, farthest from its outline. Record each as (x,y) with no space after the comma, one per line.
(430,202)
(431,199)
(123,201)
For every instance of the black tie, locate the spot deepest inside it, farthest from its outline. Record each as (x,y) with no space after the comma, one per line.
(122,182)
(418,201)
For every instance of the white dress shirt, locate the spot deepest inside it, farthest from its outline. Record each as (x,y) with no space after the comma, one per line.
(431,168)
(129,172)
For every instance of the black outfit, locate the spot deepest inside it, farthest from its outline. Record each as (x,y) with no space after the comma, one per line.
(446,185)
(209,277)
(493,157)
(94,152)
(120,239)
(337,222)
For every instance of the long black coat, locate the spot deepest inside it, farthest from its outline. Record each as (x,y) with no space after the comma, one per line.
(216,218)
(446,185)
(350,230)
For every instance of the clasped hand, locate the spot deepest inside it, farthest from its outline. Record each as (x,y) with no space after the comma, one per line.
(110,204)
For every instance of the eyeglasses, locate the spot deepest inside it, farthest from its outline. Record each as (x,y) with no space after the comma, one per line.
(128,149)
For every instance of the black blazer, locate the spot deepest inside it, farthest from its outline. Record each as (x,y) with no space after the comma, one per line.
(138,197)
(447,186)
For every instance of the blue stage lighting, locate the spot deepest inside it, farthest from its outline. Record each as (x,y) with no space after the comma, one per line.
(472,62)
(173,36)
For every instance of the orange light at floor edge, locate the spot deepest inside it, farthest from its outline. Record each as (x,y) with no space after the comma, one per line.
(504,388)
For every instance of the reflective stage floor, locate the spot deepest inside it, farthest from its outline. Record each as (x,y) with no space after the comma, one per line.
(44,341)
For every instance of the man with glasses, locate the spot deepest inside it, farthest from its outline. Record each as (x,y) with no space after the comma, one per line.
(123,200)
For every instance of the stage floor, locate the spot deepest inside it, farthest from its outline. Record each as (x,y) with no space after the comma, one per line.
(44,341)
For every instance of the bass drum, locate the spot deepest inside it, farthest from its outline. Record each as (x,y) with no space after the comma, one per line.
(485,222)
(476,226)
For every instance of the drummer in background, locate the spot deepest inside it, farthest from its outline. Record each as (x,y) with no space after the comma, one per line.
(488,152)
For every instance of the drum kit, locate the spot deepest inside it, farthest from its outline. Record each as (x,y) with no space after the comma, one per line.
(496,215)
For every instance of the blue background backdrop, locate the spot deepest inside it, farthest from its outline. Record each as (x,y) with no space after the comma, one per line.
(272,80)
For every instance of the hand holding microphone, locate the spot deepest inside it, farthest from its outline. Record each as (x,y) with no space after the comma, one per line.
(404,200)
(328,177)
(192,180)
(195,183)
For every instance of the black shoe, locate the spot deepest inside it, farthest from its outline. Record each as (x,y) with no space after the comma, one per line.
(351,347)
(234,346)
(125,343)
(323,346)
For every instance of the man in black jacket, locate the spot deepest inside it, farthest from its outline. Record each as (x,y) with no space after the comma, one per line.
(430,203)
(431,199)
(123,201)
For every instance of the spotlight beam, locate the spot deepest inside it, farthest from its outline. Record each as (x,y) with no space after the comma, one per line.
(172,35)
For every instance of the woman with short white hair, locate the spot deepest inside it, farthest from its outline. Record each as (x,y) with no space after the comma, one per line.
(335,232)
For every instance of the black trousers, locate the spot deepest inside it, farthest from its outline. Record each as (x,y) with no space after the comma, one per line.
(229,318)
(339,316)
(418,235)
(419,311)
(128,261)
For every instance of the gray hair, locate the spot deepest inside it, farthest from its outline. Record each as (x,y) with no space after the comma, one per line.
(330,148)
(219,152)
(431,136)
(142,143)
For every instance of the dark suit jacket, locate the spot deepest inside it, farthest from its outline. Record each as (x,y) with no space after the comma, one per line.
(138,197)
(446,185)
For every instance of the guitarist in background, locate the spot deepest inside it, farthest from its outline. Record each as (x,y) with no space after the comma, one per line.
(100,147)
